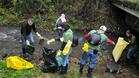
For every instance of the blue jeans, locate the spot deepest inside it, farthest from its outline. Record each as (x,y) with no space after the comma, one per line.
(29,37)
(92,58)
(65,59)
(130,52)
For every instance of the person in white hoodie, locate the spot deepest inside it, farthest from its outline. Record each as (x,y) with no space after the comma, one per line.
(59,22)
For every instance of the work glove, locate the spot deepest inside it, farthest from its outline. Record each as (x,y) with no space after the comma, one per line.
(50,41)
(85,47)
(59,28)
(59,53)
(40,37)
(62,39)
(113,43)
(27,43)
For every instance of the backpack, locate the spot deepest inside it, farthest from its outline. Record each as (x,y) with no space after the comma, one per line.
(58,24)
(75,41)
(94,39)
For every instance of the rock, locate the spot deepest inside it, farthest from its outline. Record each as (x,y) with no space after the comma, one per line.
(113,68)
(74,60)
(3,36)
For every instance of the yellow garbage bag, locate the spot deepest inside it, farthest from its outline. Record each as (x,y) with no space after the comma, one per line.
(18,63)
(85,47)
(120,46)
(67,48)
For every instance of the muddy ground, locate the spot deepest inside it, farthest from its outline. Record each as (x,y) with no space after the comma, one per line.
(10,42)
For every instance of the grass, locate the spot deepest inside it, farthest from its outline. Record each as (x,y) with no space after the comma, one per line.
(10,73)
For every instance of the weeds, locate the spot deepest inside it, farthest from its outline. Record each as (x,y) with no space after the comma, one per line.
(10,73)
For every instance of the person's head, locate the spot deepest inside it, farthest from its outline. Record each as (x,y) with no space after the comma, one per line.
(128,33)
(30,21)
(102,29)
(63,15)
(65,26)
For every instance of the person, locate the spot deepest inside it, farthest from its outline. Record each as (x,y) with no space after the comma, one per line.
(59,22)
(67,36)
(26,34)
(132,47)
(93,39)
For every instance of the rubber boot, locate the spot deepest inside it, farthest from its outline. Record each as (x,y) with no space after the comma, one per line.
(63,70)
(24,52)
(60,69)
(89,72)
(81,69)
(66,70)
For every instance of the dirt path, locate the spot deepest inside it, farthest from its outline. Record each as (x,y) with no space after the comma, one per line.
(10,41)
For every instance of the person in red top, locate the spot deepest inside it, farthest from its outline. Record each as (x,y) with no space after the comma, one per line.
(93,39)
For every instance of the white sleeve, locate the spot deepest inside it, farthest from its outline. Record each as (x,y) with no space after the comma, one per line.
(63,19)
(57,21)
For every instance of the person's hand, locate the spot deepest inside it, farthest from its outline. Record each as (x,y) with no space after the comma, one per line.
(27,43)
(40,37)
(113,43)
(41,40)
(62,39)
(50,41)
(59,52)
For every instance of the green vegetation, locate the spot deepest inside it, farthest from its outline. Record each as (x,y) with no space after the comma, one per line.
(132,4)
(135,1)
(45,12)
(10,73)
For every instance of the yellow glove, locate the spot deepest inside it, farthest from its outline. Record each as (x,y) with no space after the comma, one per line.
(58,52)
(50,41)
(85,47)
(62,39)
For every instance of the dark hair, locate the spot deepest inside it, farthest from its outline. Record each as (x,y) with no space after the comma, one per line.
(128,31)
(65,26)
(31,19)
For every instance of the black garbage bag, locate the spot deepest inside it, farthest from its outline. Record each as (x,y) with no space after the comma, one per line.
(50,62)
(30,50)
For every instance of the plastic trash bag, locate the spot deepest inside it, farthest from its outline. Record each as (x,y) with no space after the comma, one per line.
(120,46)
(18,63)
(50,61)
